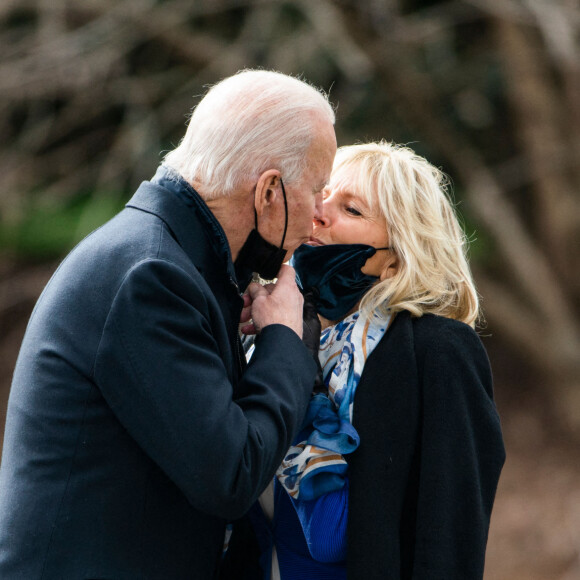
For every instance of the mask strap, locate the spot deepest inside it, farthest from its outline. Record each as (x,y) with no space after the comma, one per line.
(285,214)
(285,217)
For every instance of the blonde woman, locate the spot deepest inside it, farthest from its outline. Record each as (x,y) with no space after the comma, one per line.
(395,472)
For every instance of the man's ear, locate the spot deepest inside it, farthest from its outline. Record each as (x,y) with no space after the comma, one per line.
(266,190)
(391,268)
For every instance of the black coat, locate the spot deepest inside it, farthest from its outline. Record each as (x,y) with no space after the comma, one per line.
(423,480)
(133,432)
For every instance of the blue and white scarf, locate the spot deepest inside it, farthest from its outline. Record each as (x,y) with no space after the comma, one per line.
(315,465)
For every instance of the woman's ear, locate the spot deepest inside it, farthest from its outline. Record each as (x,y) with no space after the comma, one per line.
(391,268)
(266,190)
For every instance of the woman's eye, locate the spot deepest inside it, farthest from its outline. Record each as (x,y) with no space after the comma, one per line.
(353,211)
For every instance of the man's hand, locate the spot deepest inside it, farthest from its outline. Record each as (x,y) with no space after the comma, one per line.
(246,316)
(279,303)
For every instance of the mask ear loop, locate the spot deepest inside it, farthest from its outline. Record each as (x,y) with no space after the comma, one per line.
(285,217)
(285,214)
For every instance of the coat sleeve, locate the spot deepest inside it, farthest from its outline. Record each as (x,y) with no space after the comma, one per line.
(160,366)
(461,456)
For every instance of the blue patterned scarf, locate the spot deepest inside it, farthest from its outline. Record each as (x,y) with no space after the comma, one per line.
(315,464)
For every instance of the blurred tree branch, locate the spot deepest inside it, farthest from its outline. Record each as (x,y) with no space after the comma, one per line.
(91,92)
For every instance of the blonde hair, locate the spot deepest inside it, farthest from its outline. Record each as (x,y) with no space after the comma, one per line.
(424,232)
(247,123)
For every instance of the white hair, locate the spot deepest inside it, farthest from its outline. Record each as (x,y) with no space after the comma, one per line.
(250,122)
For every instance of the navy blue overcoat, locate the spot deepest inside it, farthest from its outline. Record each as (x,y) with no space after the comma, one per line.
(134,430)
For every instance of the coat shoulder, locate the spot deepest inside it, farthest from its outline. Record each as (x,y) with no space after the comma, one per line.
(436,334)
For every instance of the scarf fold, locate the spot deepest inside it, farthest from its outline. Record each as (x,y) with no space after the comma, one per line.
(315,465)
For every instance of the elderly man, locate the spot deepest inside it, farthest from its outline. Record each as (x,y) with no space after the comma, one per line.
(135,431)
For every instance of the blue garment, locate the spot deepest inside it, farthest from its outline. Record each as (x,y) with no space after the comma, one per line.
(310,536)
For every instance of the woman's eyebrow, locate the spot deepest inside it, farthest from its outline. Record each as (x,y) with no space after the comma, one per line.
(346,193)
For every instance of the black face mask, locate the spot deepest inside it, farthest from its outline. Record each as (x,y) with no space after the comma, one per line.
(333,273)
(260,256)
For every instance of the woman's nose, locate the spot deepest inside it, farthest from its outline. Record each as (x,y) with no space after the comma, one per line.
(318,208)
(322,218)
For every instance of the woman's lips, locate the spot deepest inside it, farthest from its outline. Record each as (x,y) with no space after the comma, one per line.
(315,242)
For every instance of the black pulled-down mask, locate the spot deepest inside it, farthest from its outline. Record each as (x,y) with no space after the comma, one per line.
(333,273)
(260,256)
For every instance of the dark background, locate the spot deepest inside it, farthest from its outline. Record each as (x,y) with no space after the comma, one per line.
(92,93)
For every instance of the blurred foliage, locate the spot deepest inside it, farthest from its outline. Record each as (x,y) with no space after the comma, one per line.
(93,92)
(47,231)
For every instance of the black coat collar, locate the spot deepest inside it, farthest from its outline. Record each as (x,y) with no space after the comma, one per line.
(196,229)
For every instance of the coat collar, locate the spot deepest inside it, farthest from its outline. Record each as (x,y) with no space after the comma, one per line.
(196,229)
